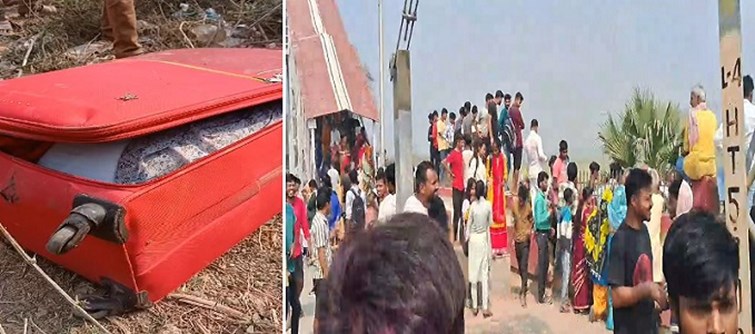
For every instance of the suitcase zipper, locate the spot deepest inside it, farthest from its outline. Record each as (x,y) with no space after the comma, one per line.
(134,128)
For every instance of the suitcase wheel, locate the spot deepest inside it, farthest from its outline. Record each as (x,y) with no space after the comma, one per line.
(59,241)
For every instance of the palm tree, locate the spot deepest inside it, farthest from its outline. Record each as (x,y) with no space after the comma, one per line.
(647,132)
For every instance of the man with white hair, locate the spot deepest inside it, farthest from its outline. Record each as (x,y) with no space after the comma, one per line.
(699,150)
(749,115)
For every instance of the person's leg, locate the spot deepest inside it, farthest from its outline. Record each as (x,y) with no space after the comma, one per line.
(122,18)
(458,199)
(518,165)
(295,306)
(485,286)
(475,300)
(565,273)
(542,265)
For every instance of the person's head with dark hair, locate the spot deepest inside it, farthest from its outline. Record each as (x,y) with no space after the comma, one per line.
(563,150)
(390,177)
(701,267)
(498,97)
(312,184)
(322,201)
(615,170)
(594,168)
(381,185)
(468,106)
(425,181)
(462,112)
(542,181)
(399,277)
(569,196)
(452,117)
(639,188)
(571,172)
(470,190)
(431,118)
(474,109)
(586,194)
(524,195)
(488,98)
(458,141)
(673,196)
(437,211)
(435,113)
(325,182)
(518,99)
(354,177)
(507,100)
(495,146)
(443,114)
(479,188)
(480,149)
(292,186)
(748,87)
(534,125)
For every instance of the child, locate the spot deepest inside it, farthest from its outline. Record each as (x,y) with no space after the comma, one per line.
(564,234)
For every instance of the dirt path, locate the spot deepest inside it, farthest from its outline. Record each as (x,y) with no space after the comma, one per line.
(247,278)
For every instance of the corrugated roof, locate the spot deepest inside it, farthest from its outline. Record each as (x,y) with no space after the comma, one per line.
(327,65)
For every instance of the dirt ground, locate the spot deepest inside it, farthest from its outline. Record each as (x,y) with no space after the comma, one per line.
(247,279)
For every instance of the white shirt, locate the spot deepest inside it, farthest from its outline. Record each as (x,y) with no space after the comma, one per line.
(334,180)
(533,147)
(335,137)
(476,170)
(749,113)
(413,204)
(467,156)
(351,195)
(387,207)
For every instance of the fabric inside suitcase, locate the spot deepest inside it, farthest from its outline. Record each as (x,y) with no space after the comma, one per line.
(141,159)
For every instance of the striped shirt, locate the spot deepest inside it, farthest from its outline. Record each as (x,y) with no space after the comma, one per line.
(320,239)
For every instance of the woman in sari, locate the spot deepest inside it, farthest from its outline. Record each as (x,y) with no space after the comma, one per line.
(580,278)
(497,197)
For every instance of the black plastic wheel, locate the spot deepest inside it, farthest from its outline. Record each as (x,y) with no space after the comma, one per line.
(59,240)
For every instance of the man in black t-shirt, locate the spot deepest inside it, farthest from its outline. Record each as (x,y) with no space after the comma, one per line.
(630,264)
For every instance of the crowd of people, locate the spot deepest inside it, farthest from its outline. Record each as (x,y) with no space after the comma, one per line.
(629,245)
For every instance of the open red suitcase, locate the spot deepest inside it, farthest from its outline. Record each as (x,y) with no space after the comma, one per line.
(138,173)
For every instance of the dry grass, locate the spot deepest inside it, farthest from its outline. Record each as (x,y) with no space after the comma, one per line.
(77,23)
(247,279)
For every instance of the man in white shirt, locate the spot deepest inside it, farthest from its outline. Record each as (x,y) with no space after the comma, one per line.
(425,187)
(335,177)
(386,189)
(749,115)
(533,148)
(352,193)
(444,146)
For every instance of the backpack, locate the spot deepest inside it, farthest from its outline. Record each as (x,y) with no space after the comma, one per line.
(358,214)
(508,133)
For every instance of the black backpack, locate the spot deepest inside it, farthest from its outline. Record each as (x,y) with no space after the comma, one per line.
(358,215)
(508,134)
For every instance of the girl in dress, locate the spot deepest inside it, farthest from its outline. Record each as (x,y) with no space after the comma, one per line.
(497,197)
(480,220)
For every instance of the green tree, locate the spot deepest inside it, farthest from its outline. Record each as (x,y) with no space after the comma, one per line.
(648,131)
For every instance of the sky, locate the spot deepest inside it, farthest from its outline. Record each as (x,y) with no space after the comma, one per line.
(574,61)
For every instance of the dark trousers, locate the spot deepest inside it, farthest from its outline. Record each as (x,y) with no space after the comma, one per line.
(522,258)
(458,199)
(292,299)
(543,258)
(435,157)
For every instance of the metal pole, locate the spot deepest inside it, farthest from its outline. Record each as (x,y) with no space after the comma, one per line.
(402,125)
(381,82)
(737,215)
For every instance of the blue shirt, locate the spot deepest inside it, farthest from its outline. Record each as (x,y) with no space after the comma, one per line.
(290,220)
(335,210)
(541,213)
(503,116)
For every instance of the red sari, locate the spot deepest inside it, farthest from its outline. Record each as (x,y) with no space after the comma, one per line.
(497,197)
(580,273)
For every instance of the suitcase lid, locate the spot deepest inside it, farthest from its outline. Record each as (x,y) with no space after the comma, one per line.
(136,96)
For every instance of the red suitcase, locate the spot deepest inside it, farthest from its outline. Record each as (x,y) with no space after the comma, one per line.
(161,163)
